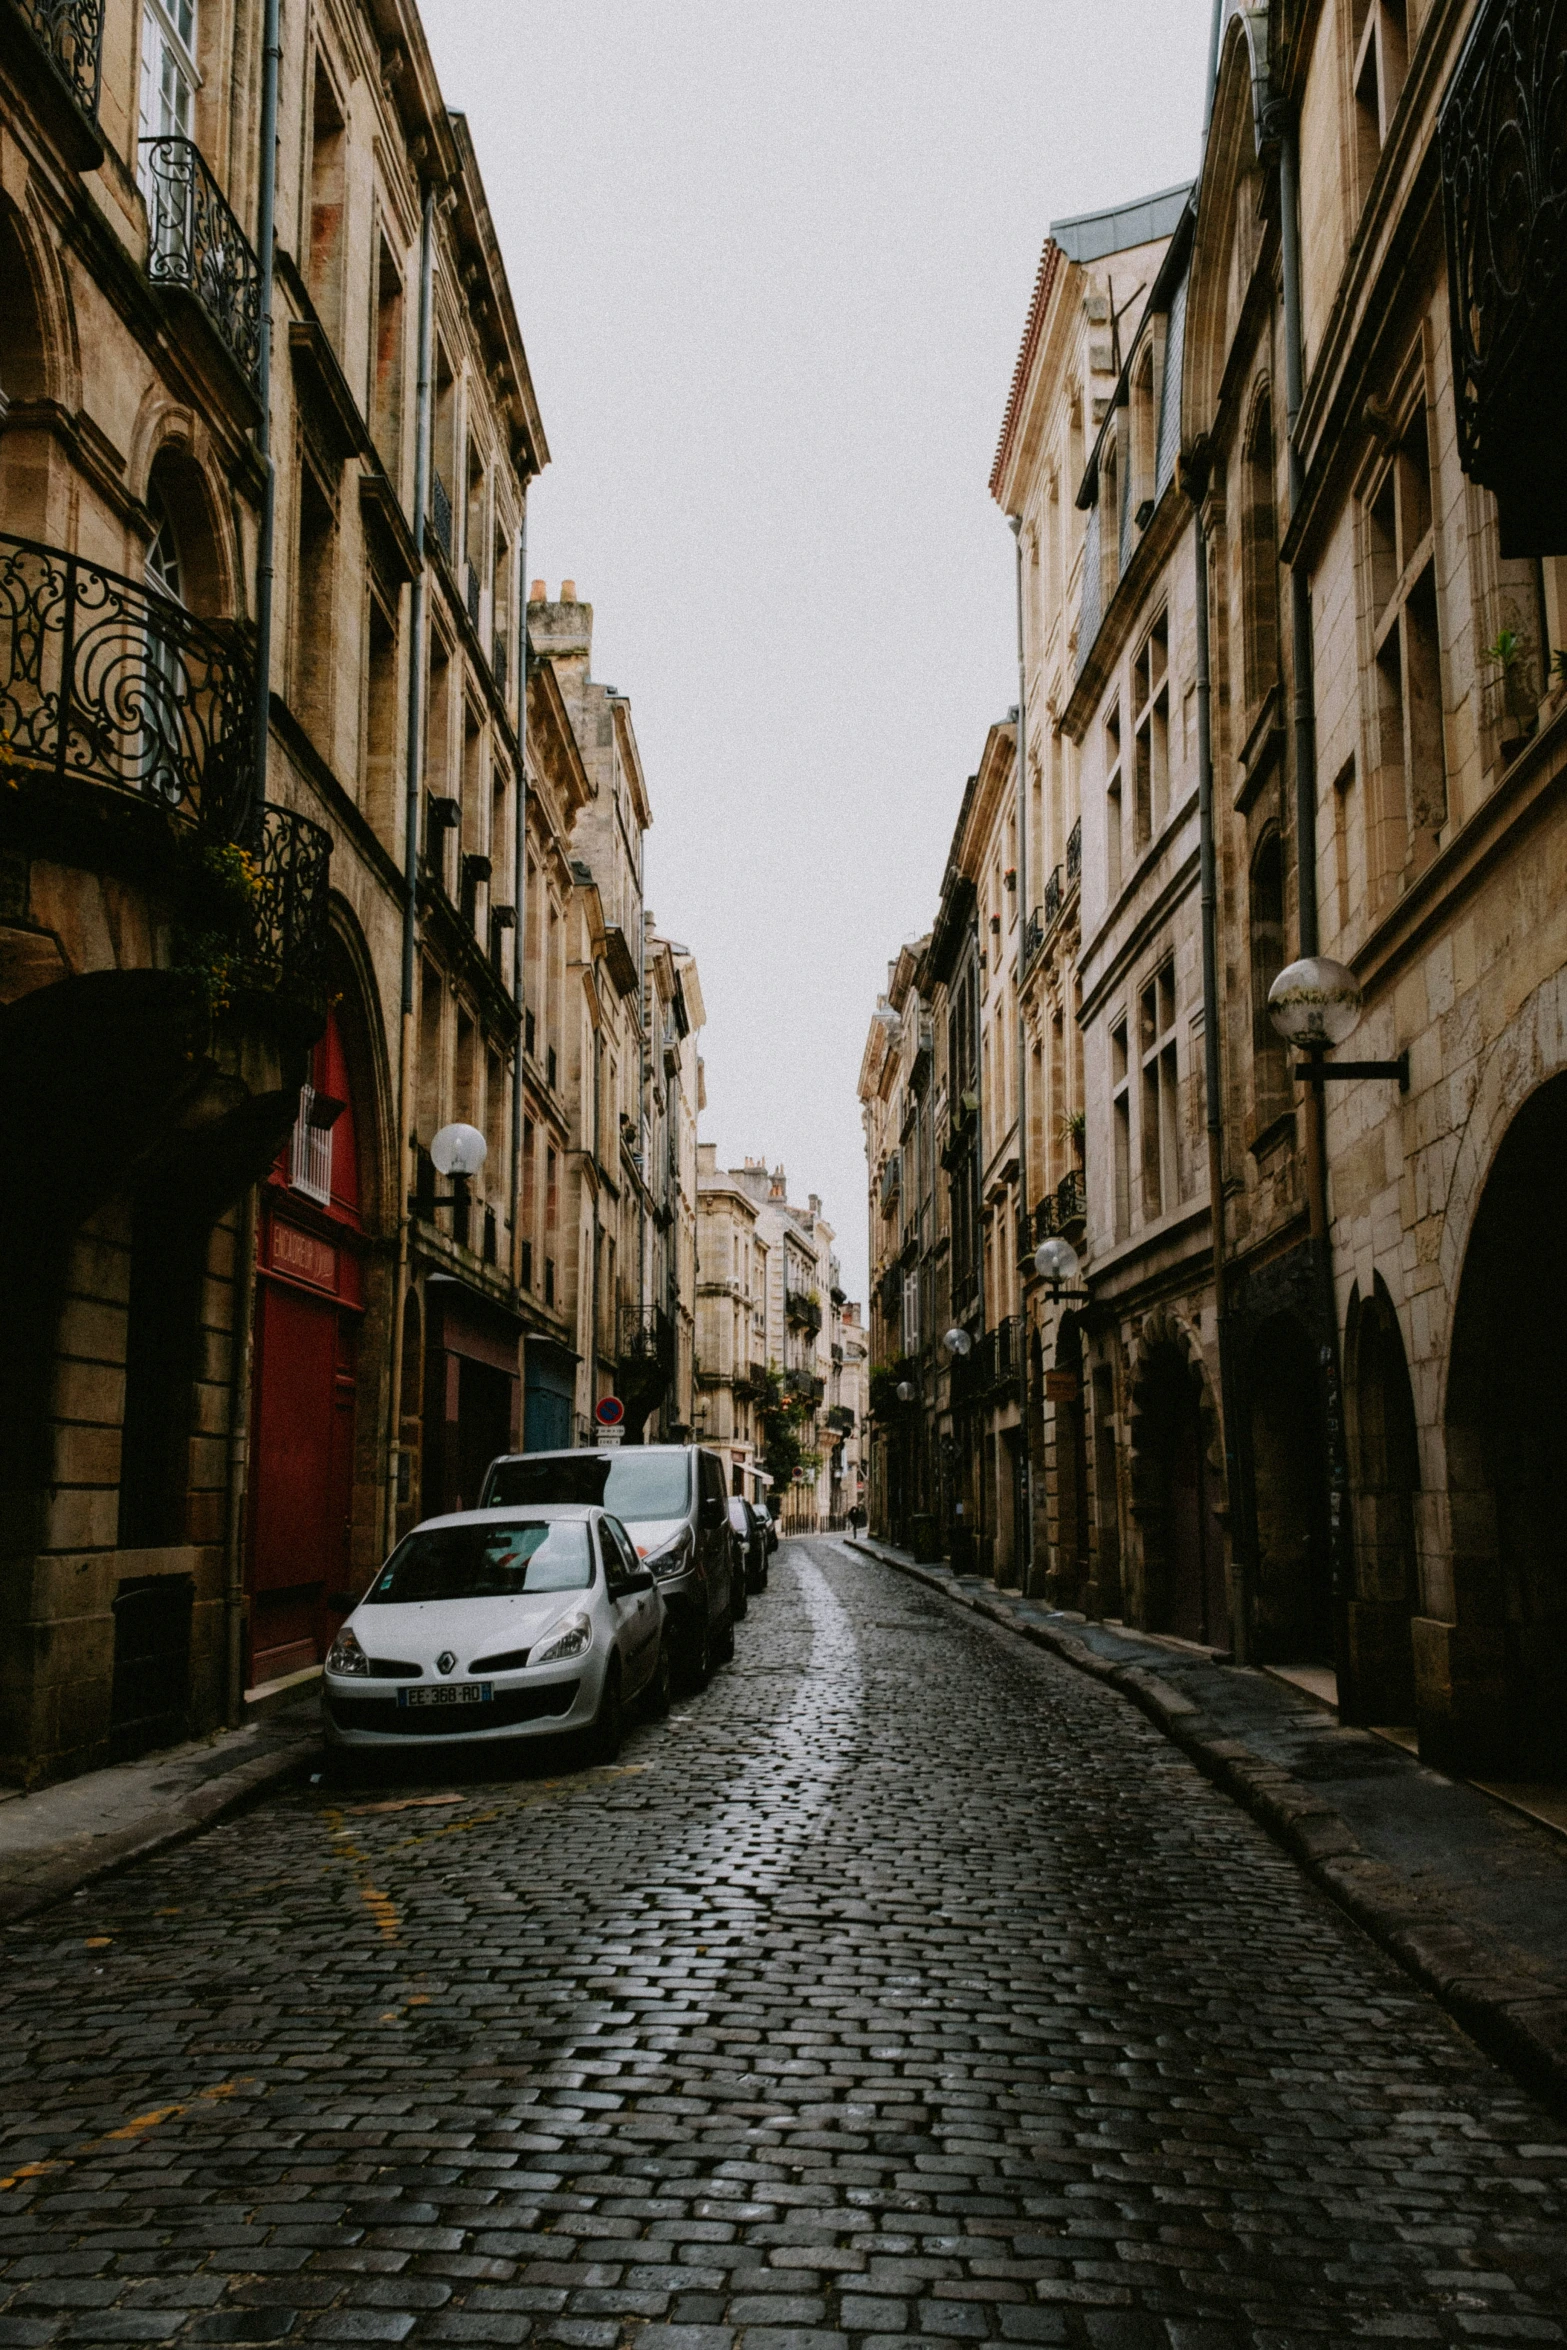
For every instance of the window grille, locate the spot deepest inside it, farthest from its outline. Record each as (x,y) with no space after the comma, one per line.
(310,1154)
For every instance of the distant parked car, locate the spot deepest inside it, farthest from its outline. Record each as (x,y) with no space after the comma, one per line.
(750,1541)
(671,1500)
(500,1624)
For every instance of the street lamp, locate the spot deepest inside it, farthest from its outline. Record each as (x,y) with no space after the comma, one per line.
(1057,1262)
(905,1391)
(1315,1004)
(459,1150)
(958,1342)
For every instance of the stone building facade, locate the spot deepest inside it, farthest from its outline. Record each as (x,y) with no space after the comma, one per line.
(1317,709)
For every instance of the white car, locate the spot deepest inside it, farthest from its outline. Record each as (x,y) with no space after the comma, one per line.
(500,1624)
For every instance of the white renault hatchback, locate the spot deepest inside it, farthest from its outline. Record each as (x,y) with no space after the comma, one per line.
(500,1624)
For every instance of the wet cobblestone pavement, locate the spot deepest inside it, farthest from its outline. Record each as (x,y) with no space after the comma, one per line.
(905,1984)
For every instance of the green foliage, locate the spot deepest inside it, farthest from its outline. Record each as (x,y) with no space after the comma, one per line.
(781,1418)
(1508,648)
(884,1389)
(219,886)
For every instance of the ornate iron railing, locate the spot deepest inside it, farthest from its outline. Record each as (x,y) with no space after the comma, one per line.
(441,511)
(106,681)
(70,32)
(290,914)
(472,588)
(646,1335)
(891,1180)
(1074,852)
(801,1308)
(195,242)
(1071,1199)
(498,662)
(1505,199)
(1053,896)
(1033,935)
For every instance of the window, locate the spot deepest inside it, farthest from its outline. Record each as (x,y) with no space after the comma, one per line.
(386,359)
(326,241)
(1410,766)
(1162,1185)
(379,794)
(1259,561)
(313,582)
(168,68)
(1121,1120)
(310,1152)
(1145,453)
(1380,30)
(1269,1057)
(1113,833)
(1151,708)
(443,468)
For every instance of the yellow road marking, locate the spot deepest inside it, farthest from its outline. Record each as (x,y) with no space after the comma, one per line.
(137,2128)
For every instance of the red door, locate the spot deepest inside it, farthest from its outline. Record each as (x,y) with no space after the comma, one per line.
(301,1477)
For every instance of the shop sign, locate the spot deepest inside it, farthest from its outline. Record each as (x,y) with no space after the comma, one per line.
(302,1256)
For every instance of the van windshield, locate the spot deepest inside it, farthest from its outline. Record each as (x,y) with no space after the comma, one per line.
(485,1562)
(636,1484)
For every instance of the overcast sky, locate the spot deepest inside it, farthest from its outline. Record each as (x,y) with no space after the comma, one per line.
(772,260)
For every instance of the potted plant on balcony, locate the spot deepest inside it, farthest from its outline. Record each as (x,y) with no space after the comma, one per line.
(1520,703)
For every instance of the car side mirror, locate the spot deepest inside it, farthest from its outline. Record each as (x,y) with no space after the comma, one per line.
(643,1580)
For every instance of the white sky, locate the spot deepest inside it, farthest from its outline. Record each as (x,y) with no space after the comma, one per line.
(772,260)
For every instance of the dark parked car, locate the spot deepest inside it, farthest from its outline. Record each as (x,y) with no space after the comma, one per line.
(750,1525)
(671,1500)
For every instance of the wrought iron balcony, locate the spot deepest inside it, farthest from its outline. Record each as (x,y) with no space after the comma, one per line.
(1033,935)
(1071,1200)
(196,244)
(498,662)
(803,1309)
(1074,852)
(804,1386)
(841,1420)
(104,681)
(891,1180)
(290,918)
(646,1335)
(1053,896)
(70,34)
(471,586)
(441,512)
(1505,202)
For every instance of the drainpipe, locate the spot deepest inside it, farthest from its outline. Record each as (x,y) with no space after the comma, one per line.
(414,777)
(245,1263)
(239,1463)
(1213,1080)
(520,898)
(519,935)
(1026,1530)
(266,234)
(1341,1551)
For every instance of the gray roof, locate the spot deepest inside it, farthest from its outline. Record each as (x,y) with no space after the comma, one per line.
(1088,236)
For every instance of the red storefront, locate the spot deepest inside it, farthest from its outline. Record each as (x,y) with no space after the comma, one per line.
(309,1307)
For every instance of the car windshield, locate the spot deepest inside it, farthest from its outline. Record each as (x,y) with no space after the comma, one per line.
(485,1562)
(636,1485)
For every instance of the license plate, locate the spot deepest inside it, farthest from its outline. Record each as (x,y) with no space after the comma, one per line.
(449,1693)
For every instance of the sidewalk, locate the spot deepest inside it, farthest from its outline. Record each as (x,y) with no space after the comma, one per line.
(57,1839)
(1469,1894)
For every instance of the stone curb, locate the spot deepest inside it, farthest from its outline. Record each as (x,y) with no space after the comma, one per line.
(185,1816)
(1514,2019)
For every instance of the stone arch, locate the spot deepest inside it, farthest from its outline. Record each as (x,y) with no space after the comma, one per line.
(366,1026)
(1292,1582)
(177,469)
(1177,1484)
(1259,544)
(37,354)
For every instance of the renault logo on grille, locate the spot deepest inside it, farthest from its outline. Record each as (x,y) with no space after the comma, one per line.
(445,1661)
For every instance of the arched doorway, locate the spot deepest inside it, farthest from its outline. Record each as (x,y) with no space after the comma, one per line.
(1506,1458)
(1294,1583)
(309,1306)
(1385,1471)
(1178,1499)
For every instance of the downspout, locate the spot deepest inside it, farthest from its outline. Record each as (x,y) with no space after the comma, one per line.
(238,1465)
(1020,901)
(519,974)
(413,779)
(1213,1081)
(1316,1156)
(519,934)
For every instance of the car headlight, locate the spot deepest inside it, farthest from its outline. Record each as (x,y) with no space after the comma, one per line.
(572,1638)
(673,1558)
(346,1656)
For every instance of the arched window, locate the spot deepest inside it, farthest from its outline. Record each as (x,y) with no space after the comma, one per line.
(1270,1066)
(1259,560)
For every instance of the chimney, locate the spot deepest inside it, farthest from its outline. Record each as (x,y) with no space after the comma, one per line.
(780,1189)
(568,591)
(536,592)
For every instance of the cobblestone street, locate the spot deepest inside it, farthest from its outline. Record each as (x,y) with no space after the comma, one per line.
(905,1983)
